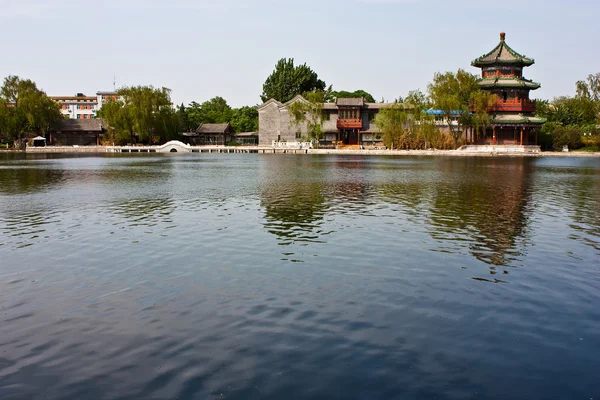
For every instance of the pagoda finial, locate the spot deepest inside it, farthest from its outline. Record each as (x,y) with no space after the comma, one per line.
(502,36)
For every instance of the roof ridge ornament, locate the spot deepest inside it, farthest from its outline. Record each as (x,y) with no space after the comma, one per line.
(502,36)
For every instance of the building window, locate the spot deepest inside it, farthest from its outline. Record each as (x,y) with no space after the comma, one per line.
(298,134)
(78,107)
(326,116)
(78,116)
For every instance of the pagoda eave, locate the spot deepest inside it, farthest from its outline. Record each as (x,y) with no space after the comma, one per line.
(483,64)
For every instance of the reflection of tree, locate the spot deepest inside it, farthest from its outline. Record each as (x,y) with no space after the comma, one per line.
(485,204)
(293,198)
(294,211)
(19,180)
(148,211)
(584,199)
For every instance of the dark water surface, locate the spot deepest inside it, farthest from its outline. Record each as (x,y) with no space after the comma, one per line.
(294,277)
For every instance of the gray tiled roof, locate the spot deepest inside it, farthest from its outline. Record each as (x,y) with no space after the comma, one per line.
(80,125)
(213,128)
(350,102)
(502,54)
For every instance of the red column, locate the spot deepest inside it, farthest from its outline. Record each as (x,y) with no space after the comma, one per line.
(522,136)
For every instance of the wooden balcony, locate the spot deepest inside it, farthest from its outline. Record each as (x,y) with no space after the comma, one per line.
(515,105)
(355,123)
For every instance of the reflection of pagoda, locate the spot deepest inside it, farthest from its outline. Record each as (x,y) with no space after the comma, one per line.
(512,117)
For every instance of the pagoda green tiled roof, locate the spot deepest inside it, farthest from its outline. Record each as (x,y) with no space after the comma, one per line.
(512,82)
(510,119)
(502,54)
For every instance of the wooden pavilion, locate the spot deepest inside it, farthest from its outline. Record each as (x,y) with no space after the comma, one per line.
(513,120)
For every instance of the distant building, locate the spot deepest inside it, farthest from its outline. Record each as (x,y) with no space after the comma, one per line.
(347,122)
(79,106)
(103,97)
(69,132)
(513,119)
(209,134)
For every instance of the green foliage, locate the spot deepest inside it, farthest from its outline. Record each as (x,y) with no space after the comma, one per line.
(245,119)
(287,81)
(569,111)
(393,124)
(184,121)
(408,127)
(417,100)
(453,92)
(25,108)
(357,93)
(213,111)
(481,102)
(145,115)
(309,112)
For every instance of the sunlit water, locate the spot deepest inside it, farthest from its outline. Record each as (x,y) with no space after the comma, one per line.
(293,277)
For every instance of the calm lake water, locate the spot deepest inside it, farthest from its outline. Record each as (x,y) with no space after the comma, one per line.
(246,276)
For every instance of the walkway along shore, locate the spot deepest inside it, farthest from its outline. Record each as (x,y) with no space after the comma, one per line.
(179,147)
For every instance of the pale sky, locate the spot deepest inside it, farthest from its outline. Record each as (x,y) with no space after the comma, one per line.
(206,48)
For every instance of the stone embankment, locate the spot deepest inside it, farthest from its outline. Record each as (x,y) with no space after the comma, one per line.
(179,147)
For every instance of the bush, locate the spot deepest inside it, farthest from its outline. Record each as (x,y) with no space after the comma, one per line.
(567,136)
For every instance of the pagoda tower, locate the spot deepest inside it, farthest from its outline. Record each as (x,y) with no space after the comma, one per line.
(513,120)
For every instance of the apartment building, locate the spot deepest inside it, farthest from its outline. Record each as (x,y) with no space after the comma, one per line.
(79,106)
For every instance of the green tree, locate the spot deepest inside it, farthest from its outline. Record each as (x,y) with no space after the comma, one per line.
(393,125)
(357,93)
(245,119)
(310,112)
(213,111)
(416,100)
(184,121)
(452,93)
(481,102)
(589,89)
(145,112)
(25,108)
(287,81)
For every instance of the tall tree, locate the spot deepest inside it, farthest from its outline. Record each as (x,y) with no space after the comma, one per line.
(25,108)
(213,111)
(287,81)
(452,94)
(184,121)
(245,119)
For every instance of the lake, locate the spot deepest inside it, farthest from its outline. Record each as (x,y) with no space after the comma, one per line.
(246,276)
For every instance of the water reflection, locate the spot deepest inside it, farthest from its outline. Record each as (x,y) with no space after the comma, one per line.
(485,207)
(293,200)
(143,211)
(16,179)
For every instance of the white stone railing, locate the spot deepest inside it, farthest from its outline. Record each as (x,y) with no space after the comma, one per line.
(292,145)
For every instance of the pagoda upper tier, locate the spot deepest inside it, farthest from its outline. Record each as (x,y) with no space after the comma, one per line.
(502,55)
(502,69)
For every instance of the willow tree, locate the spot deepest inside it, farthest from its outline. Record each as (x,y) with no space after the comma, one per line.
(481,102)
(309,111)
(144,112)
(452,93)
(392,122)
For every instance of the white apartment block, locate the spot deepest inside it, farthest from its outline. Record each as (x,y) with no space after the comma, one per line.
(81,106)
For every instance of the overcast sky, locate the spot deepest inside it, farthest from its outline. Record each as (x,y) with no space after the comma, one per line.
(206,48)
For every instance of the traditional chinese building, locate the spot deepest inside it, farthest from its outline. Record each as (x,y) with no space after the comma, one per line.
(347,123)
(513,120)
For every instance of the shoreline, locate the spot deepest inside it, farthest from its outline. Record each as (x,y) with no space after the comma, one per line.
(279,150)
